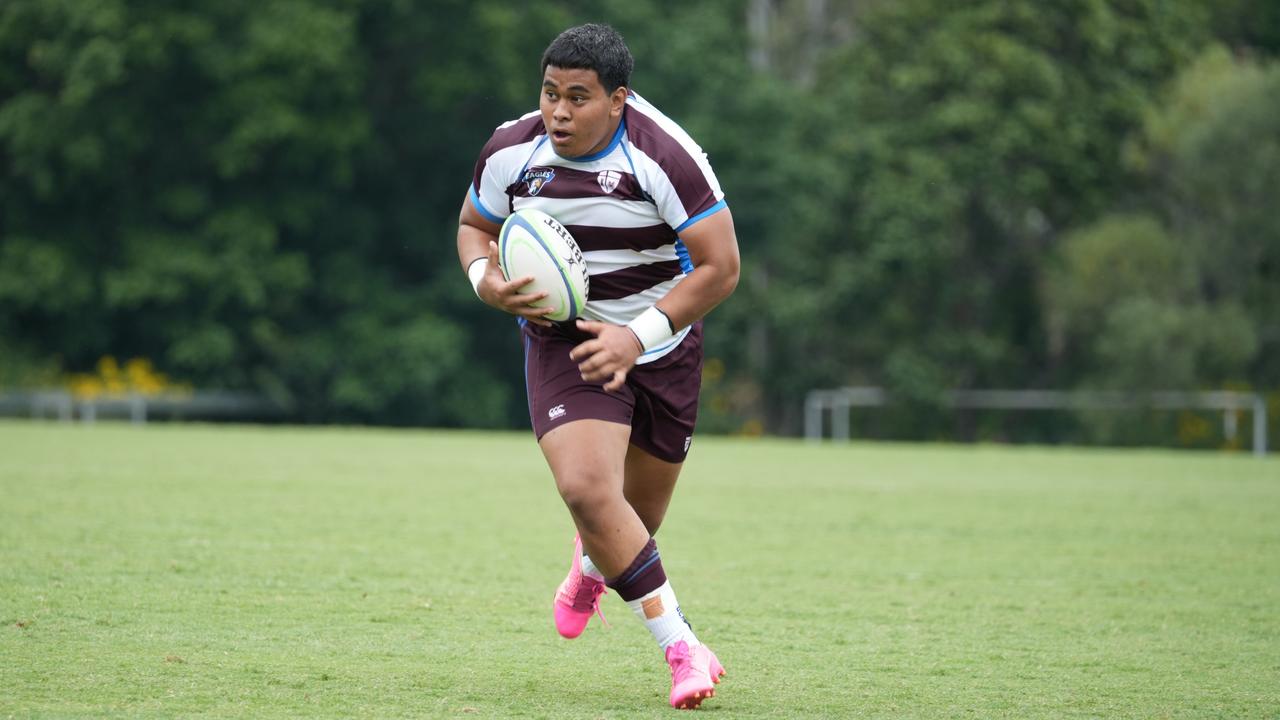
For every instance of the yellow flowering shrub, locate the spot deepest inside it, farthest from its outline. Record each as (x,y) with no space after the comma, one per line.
(138,376)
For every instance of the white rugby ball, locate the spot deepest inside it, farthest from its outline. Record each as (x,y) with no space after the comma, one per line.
(532,242)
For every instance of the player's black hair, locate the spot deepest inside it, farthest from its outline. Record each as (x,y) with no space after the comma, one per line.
(592,47)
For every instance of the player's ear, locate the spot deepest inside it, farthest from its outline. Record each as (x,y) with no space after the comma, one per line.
(617,100)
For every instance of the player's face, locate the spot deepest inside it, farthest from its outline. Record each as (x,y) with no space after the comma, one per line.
(579,115)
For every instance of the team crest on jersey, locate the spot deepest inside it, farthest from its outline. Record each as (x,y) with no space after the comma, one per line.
(536,178)
(608,180)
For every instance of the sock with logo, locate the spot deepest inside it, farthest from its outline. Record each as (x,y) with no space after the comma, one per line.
(644,587)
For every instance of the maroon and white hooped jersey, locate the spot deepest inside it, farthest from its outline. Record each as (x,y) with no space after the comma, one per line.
(625,205)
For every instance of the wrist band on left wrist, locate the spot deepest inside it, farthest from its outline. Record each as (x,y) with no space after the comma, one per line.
(652,327)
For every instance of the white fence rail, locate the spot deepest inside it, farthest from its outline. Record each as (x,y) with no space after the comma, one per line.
(136,407)
(838,401)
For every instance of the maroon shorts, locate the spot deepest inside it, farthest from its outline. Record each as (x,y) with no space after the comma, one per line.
(659,401)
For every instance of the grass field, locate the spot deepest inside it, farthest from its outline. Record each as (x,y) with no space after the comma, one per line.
(265,572)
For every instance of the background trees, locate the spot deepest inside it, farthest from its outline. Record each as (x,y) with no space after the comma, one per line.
(928,195)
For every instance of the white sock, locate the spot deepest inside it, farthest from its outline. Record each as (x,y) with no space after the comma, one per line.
(661,614)
(590,570)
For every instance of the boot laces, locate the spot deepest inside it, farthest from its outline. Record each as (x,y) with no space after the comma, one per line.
(680,657)
(583,594)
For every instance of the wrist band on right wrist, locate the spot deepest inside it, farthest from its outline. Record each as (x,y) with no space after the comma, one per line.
(475,273)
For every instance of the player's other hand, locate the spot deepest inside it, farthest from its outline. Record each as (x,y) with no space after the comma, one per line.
(506,296)
(607,357)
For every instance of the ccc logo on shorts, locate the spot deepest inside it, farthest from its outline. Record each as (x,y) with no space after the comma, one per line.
(555,412)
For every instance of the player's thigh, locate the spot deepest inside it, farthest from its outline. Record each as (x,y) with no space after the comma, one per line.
(665,404)
(559,397)
(648,485)
(587,458)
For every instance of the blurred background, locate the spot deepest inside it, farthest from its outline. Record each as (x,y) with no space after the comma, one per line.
(255,204)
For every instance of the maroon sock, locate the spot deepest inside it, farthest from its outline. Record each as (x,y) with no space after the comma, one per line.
(642,576)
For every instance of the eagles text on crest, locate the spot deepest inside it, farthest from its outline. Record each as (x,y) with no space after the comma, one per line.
(536,178)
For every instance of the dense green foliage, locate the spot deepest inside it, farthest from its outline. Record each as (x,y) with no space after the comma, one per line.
(180,571)
(928,195)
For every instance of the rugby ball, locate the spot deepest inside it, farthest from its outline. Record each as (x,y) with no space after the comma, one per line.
(532,242)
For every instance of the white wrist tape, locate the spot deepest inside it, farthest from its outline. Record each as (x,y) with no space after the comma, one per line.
(653,327)
(475,271)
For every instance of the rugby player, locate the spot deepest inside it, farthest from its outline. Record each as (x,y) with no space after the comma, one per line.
(613,396)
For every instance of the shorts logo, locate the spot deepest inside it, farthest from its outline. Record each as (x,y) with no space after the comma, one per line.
(556,412)
(688,440)
(608,180)
(536,178)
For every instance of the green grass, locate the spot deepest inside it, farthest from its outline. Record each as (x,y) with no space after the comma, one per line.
(254,572)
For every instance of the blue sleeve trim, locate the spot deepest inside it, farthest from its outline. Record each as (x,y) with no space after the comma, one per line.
(479,206)
(682,254)
(709,211)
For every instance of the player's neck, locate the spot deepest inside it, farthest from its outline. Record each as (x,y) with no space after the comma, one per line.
(604,144)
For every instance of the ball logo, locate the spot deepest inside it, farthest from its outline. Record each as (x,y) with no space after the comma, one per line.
(556,412)
(557,227)
(574,259)
(608,180)
(537,178)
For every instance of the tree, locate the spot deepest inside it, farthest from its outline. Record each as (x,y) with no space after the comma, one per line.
(1215,176)
(970,138)
(247,195)
(1182,296)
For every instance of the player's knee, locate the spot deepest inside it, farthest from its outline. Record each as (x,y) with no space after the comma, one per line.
(584,493)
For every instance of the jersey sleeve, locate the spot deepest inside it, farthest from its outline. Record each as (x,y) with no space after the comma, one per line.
(488,191)
(697,195)
(499,164)
(673,169)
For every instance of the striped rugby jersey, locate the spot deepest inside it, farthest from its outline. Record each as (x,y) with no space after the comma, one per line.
(625,205)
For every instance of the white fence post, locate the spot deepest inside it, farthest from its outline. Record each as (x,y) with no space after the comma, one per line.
(1259,426)
(813,404)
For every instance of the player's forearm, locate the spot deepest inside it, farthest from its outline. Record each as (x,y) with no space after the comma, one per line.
(713,247)
(706,287)
(473,243)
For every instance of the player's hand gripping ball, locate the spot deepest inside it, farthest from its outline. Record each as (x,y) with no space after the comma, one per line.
(532,242)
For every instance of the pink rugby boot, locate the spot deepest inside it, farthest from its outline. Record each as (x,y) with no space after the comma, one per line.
(577,598)
(694,673)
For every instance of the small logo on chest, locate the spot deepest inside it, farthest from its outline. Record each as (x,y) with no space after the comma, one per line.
(537,178)
(608,180)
